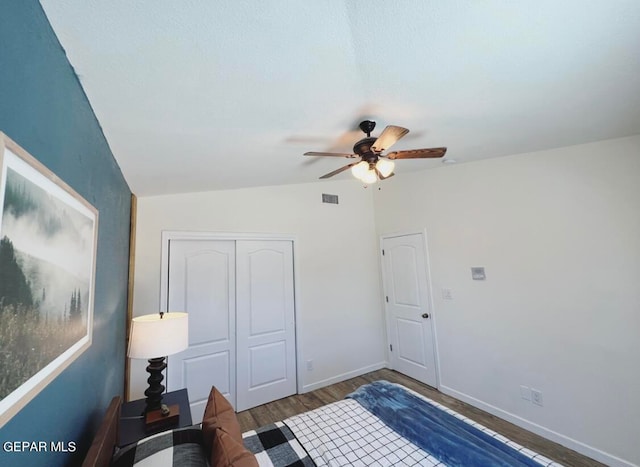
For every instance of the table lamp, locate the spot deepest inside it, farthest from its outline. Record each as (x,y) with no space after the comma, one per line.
(153,337)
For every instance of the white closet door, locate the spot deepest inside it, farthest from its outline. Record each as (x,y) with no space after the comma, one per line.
(265,322)
(202,283)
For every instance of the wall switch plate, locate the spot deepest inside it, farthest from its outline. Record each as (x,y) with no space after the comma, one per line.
(477,274)
(536,397)
(446,294)
(525,393)
(309,365)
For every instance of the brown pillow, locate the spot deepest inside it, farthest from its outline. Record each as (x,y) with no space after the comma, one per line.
(222,436)
(227,452)
(218,413)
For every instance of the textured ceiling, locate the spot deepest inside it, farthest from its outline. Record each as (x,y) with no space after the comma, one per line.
(204,95)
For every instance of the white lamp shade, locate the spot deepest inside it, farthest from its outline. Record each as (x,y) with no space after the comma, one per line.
(360,169)
(153,337)
(370,177)
(385,167)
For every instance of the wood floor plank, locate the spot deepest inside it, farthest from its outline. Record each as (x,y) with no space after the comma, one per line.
(326,395)
(310,401)
(263,416)
(246,420)
(287,407)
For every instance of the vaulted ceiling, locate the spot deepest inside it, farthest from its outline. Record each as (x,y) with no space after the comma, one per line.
(202,95)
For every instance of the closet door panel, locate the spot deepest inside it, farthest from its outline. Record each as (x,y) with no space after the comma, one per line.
(202,283)
(265,322)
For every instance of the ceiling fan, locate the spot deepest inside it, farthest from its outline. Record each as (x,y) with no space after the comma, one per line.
(373,165)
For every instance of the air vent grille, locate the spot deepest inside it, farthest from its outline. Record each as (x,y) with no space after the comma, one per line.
(331,199)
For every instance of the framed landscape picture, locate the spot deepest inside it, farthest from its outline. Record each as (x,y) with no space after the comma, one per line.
(48,241)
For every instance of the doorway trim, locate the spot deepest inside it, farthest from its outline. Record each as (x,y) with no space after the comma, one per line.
(434,314)
(168,235)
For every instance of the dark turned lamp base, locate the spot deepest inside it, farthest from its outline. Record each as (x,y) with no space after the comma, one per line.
(156,413)
(155,389)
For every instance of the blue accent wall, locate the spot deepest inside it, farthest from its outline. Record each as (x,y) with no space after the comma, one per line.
(43,108)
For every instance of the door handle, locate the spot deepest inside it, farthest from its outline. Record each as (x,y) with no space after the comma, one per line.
(425,315)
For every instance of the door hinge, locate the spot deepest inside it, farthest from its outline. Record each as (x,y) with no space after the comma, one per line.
(391,347)
(382,252)
(387,298)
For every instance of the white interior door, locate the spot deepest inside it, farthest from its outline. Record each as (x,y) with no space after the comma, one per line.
(408,307)
(265,322)
(202,283)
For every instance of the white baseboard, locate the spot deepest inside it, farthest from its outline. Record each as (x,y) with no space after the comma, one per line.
(566,441)
(343,377)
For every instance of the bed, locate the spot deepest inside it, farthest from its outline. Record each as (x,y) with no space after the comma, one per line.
(379,424)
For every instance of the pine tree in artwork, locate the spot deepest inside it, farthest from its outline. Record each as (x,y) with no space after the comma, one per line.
(79,305)
(75,306)
(14,286)
(72,306)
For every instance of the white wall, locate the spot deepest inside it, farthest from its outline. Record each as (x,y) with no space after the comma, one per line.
(339,308)
(559,235)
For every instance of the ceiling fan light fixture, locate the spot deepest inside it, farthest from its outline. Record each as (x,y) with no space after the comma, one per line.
(369,177)
(374,165)
(385,167)
(360,169)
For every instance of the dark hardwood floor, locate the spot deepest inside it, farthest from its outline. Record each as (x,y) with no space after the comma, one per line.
(287,407)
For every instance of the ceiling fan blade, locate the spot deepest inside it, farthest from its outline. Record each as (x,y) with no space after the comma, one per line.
(330,154)
(341,169)
(430,153)
(389,136)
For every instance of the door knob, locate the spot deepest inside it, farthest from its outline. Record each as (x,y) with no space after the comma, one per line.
(425,315)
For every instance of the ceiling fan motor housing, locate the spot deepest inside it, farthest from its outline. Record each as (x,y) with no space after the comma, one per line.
(363,149)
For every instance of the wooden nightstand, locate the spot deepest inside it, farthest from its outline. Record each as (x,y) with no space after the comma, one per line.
(131,426)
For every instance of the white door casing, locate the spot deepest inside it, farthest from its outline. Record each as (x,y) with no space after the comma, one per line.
(407,305)
(265,322)
(202,283)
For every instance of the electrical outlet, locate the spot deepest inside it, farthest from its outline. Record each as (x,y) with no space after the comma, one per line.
(446,294)
(309,365)
(536,397)
(525,393)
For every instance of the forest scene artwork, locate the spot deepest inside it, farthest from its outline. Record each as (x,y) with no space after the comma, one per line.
(47,250)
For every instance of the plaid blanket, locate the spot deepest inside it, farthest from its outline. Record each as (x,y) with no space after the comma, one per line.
(181,447)
(344,433)
(275,445)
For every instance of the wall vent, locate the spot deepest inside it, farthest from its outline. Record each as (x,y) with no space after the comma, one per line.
(477,274)
(331,199)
